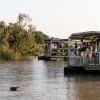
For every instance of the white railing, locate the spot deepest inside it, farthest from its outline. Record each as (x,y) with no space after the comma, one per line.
(81,58)
(92,58)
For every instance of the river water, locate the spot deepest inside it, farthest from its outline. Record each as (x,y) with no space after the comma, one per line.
(45,80)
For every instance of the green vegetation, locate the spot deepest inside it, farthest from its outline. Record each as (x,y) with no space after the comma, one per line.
(20,39)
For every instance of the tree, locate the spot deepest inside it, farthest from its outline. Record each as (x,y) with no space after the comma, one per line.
(31,29)
(3,35)
(24,20)
(39,37)
(20,40)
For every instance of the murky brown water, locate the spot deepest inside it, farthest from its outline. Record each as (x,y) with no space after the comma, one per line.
(40,80)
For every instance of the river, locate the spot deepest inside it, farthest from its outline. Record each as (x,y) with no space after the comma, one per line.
(45,80)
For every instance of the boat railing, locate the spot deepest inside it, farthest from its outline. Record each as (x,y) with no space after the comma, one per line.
(92,58)
(84,58)
(56,52)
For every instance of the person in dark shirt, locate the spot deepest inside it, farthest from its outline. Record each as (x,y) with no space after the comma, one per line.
(84,47)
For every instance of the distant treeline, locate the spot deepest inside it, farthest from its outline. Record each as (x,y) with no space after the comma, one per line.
(20,39)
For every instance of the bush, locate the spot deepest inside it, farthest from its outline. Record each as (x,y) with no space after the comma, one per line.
(8,55)
(38,50)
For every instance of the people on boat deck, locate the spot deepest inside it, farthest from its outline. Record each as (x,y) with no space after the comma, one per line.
(84,47)
(90,47)
(76,45)
(91,50)
(98,47)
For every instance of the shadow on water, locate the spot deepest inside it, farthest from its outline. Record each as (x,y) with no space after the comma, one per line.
(84,75)
(83,85)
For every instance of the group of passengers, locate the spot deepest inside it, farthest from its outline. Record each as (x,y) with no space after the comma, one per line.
(88,47)
(91,51)
(56,45)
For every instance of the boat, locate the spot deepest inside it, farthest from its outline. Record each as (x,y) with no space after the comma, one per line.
(55,50)
(83,52)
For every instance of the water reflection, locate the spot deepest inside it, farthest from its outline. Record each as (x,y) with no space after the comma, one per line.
(83,86)
(40,80)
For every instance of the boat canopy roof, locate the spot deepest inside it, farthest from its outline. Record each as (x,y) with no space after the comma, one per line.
(86,36)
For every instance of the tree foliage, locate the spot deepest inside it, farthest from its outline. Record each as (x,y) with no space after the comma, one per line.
(20,38)
(39,37)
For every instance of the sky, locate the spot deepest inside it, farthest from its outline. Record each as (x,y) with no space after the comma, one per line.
(56,18)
